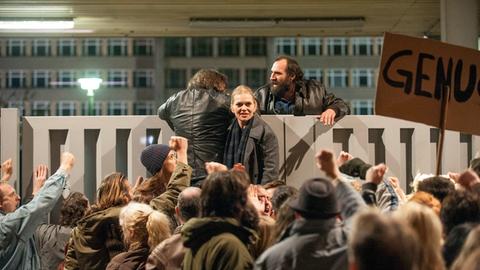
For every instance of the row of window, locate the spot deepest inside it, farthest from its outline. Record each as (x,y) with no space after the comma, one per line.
(68,78)
(196,46)
(67,108)
(177,78)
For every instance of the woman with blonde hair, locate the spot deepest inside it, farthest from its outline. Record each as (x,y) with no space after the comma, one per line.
(98,236)
(250,140)
(143,229)
(428,228)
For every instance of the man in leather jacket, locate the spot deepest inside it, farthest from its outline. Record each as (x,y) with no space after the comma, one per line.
(289,93)
(201,113)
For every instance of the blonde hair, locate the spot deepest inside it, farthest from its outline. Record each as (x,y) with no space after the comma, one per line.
(139,224)
(471,245)
(428,228)
(243,89)
(266,236)
(428,200)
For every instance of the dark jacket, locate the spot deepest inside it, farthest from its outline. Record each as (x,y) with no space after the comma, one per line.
(311,98)
(261,157)
(202,116)
(130,260)
(95,241)
(50,240)
(216,244)
(316,243)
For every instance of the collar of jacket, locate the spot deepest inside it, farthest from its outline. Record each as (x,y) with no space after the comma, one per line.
(316,226)
(198,231)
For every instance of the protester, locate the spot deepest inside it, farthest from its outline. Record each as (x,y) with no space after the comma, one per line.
(217,240)
(143,228)
(250,140)
(289,93)
(51,239)
(18,225)
(201,114)
(317,240)
(98,236)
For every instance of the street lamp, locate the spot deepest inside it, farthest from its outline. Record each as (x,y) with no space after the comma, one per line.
(90,84)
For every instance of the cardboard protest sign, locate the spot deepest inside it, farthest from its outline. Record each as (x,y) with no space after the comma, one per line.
(412,74)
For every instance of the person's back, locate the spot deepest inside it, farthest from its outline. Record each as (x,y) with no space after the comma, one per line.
(201,114)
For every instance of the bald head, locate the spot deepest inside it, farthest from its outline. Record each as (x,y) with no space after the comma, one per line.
(188,205)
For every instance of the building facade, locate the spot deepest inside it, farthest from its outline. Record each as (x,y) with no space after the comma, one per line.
(39,75)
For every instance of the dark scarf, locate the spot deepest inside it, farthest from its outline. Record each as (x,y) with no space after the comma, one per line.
(236,142)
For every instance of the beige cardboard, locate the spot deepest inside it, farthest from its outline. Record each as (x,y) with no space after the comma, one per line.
(420,61)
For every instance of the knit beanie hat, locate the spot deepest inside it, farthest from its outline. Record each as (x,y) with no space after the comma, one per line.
(153,157)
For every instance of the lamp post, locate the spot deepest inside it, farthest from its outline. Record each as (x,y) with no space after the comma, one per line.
(90,84)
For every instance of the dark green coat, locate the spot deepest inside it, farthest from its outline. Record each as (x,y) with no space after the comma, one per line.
(216,243)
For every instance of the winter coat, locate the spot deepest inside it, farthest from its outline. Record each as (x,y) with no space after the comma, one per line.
(261,156)
(202,116)
(51,240)
(17,244)
(95,241)
(311,98)
(130,260)
(216,244)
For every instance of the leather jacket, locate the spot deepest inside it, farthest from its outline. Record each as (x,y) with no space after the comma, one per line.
(311,98)
(202,116)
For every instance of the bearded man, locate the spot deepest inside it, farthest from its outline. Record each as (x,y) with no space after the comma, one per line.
(289,93)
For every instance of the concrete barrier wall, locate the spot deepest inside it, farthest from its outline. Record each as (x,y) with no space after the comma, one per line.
(104,144)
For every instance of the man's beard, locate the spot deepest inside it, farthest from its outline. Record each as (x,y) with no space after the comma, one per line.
(279,89)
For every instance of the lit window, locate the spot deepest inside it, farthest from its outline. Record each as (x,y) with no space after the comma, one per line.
(362,77)
(15,79)
(41,108)
(337,78)
(175,78)
(233,76)
(66,108)
(362,106)
(16,47)
(285,46)
(144,108)
(256,77)
(66,78)
(202,46)
(255,46)
(362,46)
(66,47)
(41,47)
(312,46)
(228,46)
(117,78)
(313,74)
(143,78)
(92,47)
(41,79)
(337,46)
(117,47)
(117,108)
(143,47)
(175,46)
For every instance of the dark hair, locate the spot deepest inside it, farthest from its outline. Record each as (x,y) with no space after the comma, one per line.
(293,68)
(282,194)
(285,217)
(73,209)
(378,241)
(459,207)
(438,186)
(454,242)
(207,79)
(189,206)
(224,194)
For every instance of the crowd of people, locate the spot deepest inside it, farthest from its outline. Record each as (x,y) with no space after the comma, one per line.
(214,200)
